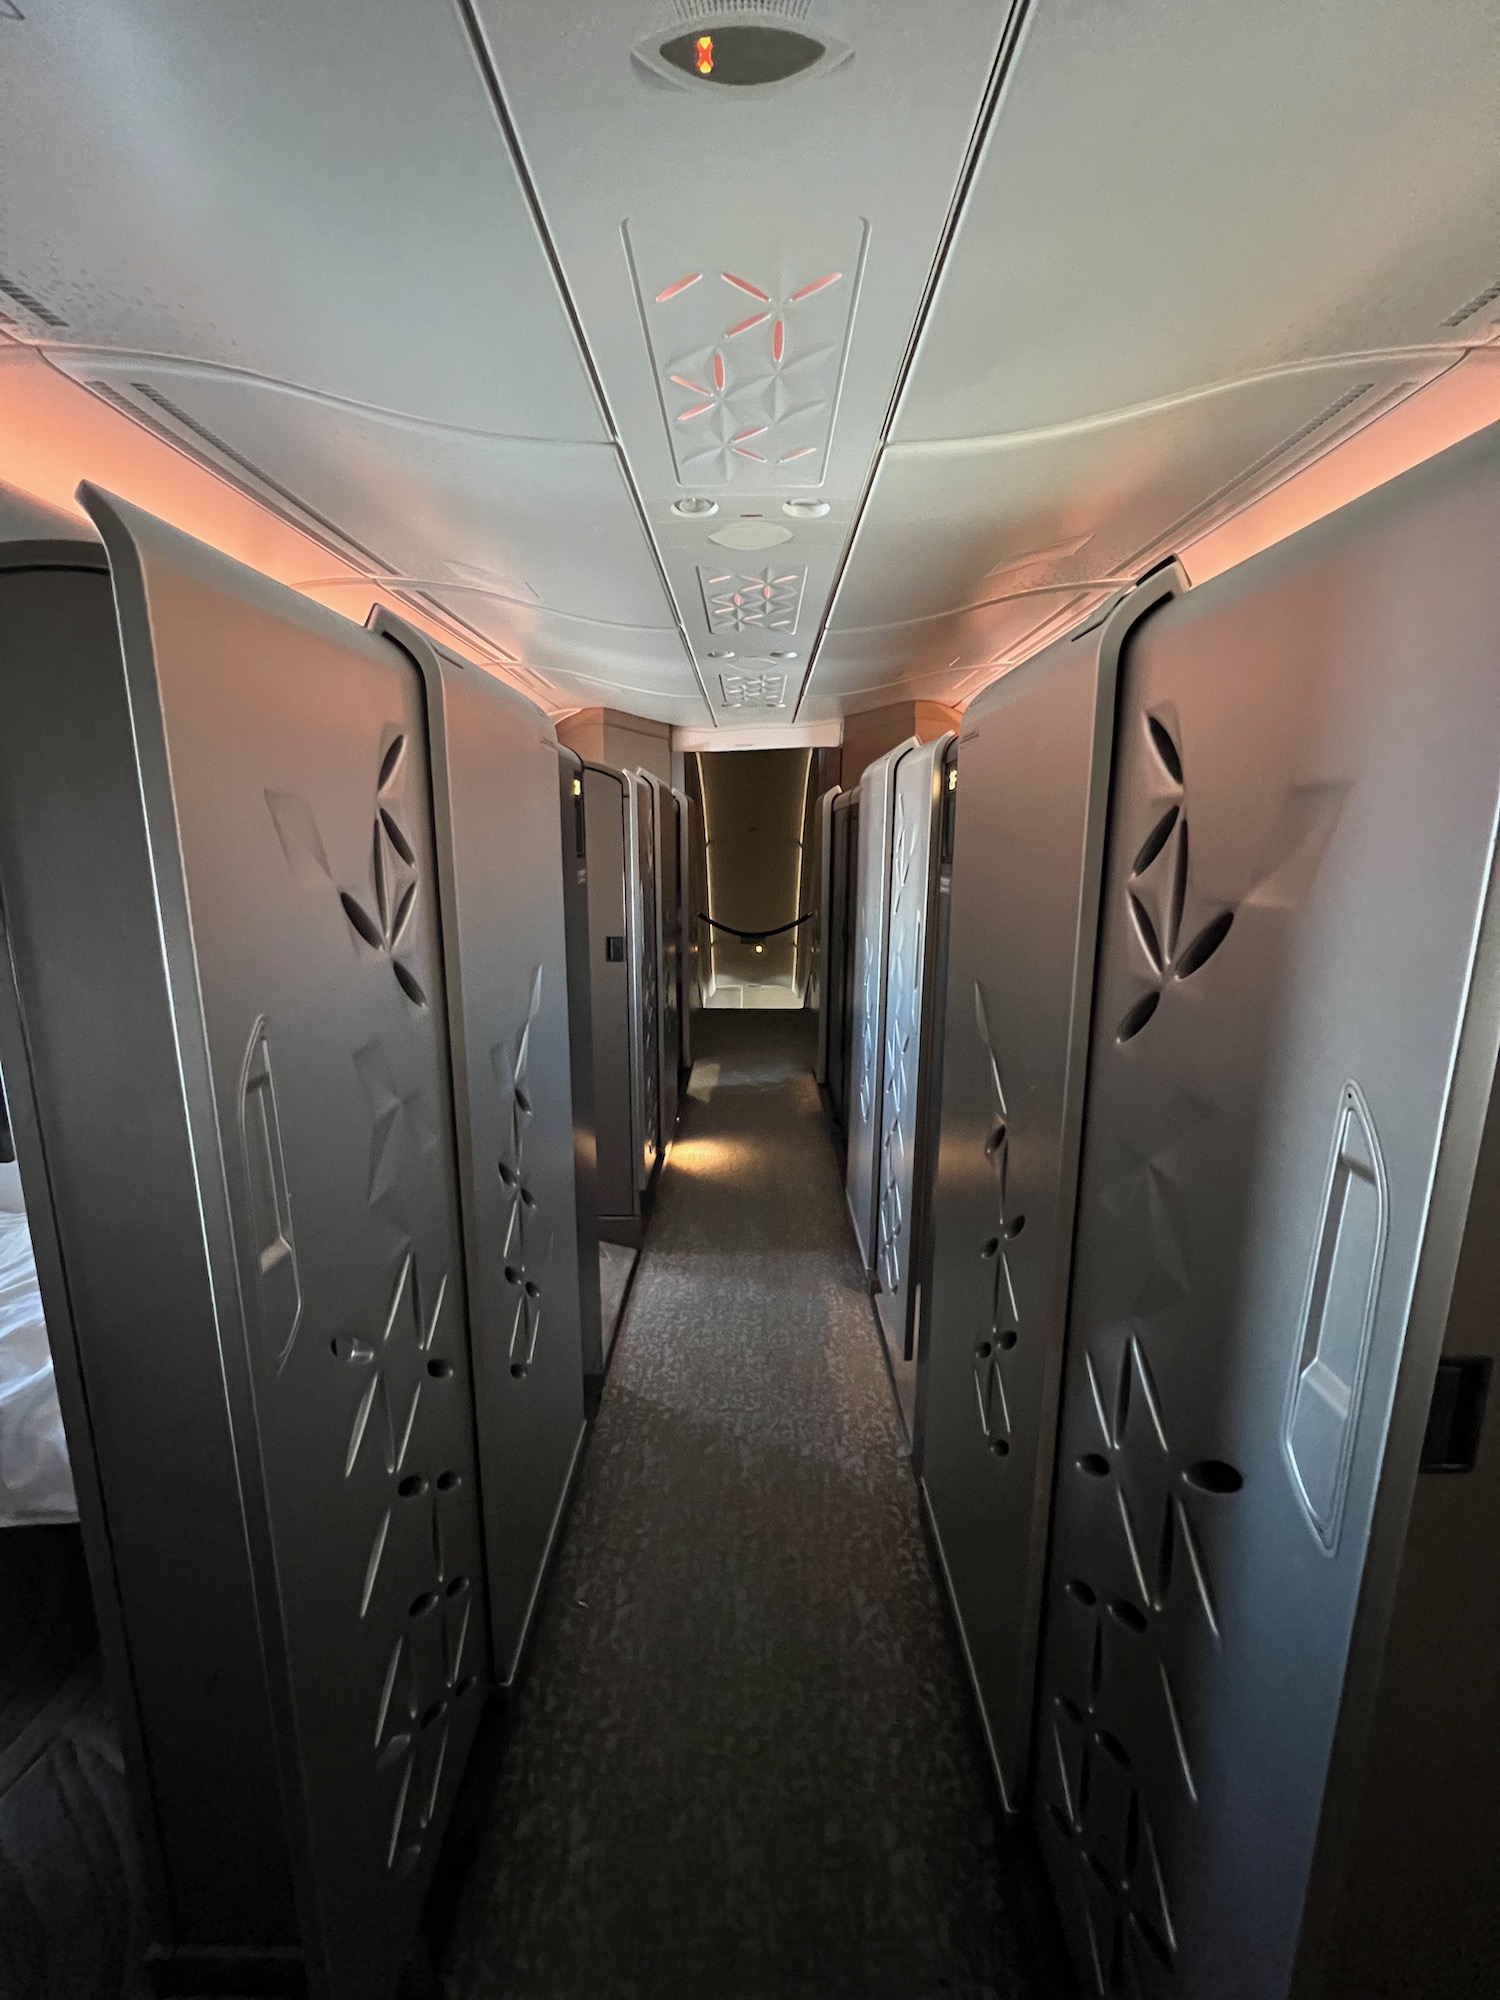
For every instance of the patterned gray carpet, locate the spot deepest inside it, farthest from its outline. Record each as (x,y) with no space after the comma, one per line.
(743,1765)
(615,1266)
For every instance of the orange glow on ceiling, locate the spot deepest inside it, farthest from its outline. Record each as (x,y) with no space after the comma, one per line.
(703,55)
(1458,403)
(54,434)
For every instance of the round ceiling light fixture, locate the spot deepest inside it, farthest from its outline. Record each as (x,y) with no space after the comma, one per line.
(718,54)
(694,509)
(742,54)
(806,510)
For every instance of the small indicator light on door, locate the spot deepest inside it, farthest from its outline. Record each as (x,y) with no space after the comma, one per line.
(578,788)
(760,948)
(703,55)
(953,779)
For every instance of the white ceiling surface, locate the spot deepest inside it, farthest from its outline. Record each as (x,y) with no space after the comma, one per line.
(300,231)
(693,222)
(1202,243)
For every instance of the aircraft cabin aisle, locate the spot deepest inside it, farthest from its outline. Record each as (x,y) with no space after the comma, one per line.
(749,999)
(745,1761)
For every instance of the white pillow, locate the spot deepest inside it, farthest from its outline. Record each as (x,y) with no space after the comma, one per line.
(36,1481)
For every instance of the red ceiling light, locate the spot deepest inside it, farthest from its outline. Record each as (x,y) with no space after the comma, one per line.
(741,53)
(818,285)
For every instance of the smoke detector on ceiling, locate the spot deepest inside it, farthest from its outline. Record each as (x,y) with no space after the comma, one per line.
(734,55)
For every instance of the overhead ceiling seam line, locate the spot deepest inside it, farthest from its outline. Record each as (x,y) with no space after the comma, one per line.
(395,581)
(145,357)
(370,569)
(1250,481)
(1010,41)
(262,489)
(1061,588)
(1442,356)
(490,74)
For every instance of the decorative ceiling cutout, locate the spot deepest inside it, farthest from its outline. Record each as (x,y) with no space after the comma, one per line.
(764,600)
(753,690)
(749,353)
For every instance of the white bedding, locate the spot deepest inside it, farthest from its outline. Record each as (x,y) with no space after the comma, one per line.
(36,1483)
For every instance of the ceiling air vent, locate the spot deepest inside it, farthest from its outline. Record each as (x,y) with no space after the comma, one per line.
(1358,404)
(704,10)
(1473,307)
(35,313)
(147,405)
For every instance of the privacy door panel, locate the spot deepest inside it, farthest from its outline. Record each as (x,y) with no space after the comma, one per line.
(913,856)
(1301,829)
(141,1372)
(825,928)
(606,805)
(303,934)
(842,954)
(573,817)
(505,950)
(688,907)
(1021,899)
(646,973)
(669,913)
(867,1034)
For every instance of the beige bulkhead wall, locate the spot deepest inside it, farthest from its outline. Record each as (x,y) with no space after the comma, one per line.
(626,742)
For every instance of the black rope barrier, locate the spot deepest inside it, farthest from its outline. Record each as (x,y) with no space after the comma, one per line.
(754,937)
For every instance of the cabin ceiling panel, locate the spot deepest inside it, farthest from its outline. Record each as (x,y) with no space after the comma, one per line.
(645,672)
(1172,196)
(748,360)
(308,193)
(797,560)
(937,659)
(970,521)
(522,523)
(747,264)
(1200,245)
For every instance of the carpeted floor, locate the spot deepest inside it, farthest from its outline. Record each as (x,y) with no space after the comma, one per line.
(743,1764)
(616,1263)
